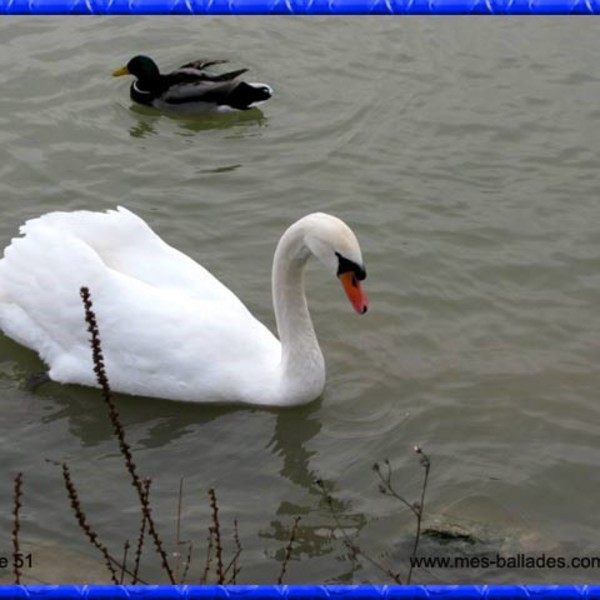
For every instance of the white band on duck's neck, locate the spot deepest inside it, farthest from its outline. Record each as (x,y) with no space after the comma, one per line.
(137,89)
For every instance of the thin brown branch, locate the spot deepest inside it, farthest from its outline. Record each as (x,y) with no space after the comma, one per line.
(140,541)
(426,463)
(126,571)
(238,550)
(233,565)
(288,550)
(18,497)
(386,486)
(124,447)
(178,530)
(113,561)
(208,555)
(124,563)
(359,552)
(81,519)
(217,533)
(417,508)
(354,549)
(186,566)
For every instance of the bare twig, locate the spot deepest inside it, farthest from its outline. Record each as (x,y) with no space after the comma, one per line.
(18,496)
(238,550)
(426,463)
(81,519)
(288,550)
(233,565)
(124,564)
(355,550)
(186,566)
(112,560)
(386,486)
(417,508)
(125,570)
(179,542)
(217,533)
(178,530)
(140,542)
(102,379)
(208,555)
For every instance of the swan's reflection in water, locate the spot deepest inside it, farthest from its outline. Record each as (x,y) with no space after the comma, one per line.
(325,519)
(160,425)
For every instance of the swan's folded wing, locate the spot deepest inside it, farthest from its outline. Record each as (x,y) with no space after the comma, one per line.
(40,279)
(126,244)
(156,341)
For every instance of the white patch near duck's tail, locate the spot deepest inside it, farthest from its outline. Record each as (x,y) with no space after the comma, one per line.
(258,86)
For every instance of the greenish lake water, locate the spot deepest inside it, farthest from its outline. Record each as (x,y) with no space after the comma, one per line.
(464,154)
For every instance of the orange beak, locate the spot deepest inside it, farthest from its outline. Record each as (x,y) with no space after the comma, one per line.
(357,297)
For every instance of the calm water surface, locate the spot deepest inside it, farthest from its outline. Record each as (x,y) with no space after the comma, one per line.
(464,153)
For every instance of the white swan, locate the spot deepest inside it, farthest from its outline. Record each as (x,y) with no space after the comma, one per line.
(169,329)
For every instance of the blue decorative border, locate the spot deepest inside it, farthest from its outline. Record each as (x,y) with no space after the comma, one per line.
(299,7)
(301,592)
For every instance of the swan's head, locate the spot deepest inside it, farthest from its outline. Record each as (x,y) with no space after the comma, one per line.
(335,245)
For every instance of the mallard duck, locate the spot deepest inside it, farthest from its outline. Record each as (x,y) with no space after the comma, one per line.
(168,327)
(191,89)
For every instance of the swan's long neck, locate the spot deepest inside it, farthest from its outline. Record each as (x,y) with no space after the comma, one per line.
(302,364)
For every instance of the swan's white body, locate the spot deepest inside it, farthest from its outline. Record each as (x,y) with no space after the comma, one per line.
(169,328)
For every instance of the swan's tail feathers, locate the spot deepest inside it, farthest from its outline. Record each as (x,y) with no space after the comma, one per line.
(37,302)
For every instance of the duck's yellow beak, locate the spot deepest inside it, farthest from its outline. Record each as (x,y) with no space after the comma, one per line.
(121,71)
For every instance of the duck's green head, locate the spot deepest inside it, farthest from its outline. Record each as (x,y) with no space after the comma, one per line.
(142,67)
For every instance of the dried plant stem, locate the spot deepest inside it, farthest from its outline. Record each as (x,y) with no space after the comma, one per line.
(208,555)
(81,519)
(124,563)
(179,542)
(288,550)
(354,549)
(426,463)
(417,508)
(238,550)
(186,566)
(233,564)
(125,570)
(18,497)
(102,379)
(112,560)
(178,530)
(140,542)
(217,533)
